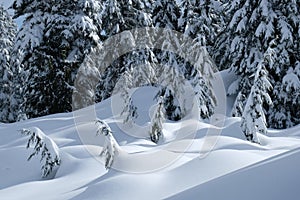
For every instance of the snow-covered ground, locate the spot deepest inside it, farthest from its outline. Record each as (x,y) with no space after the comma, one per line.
(175,168)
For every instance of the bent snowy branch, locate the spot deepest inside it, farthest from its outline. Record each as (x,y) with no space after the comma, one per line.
(46,147)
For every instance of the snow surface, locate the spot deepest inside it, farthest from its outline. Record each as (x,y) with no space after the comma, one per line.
(174,169)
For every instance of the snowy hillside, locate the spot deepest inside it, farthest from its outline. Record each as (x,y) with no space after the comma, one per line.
(222,122)
(175,168)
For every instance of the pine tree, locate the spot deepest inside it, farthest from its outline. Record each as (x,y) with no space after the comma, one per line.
(27,39)
(254,28)
(253,117)
(156,129)
(54,40)
(183,18)
(7,37)
(139,71)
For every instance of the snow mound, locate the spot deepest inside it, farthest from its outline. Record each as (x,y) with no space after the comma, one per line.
(185,165)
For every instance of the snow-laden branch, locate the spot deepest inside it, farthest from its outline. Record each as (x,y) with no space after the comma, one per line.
(111,148)
(46,147)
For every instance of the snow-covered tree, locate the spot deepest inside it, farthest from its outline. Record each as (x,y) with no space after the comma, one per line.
(253,117)
(202,22)
(200,76)
(254,28)
(117,17)
(111,148)
(124,85)
(7,37)
(54,40)
(139,71)
(202,19)
(285,70)
(85,83)
(156,129)
(172,90)
(195,66)
(46,148)
(165,15)
(285,112)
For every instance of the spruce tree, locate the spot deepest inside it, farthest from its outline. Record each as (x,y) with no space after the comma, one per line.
(125,84)
(203,20)
(46,148)
(253,117)
(7,37)
(285,70)
(156,129)
(111,148)
(165,16)
(254,28)
(117,17)
(54,40)
(187,17)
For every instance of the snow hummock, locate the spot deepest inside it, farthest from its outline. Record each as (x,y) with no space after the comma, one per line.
(173,168)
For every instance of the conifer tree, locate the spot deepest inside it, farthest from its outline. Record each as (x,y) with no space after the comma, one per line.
(254,28)
(165,15)
(46,148)
(203,20)
(253,117)
(54,40)
(7,37)
(117,17)
(201,24)
(156,129)
(111,148)
(285,70)
(139,72)
(124,86)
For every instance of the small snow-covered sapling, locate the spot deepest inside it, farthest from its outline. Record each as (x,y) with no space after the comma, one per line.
(46,147)
(111,148)
(157,122)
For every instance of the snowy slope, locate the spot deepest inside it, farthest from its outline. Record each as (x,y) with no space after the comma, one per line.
(173,169)
(273,178)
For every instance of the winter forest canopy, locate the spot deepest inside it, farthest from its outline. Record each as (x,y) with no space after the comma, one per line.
(258,40)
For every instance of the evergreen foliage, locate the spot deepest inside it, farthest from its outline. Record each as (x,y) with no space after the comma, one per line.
(256,27)
(53,41)
(111,148)
(253,117)
(7,37)
(117,17)
(156,129)
(46,148)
